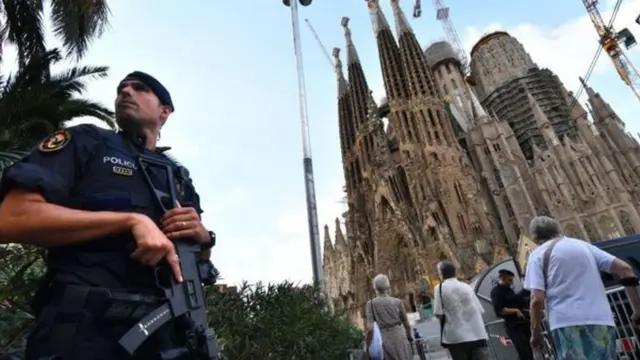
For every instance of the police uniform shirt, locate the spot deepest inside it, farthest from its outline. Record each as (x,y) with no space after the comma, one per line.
(89,168)
(503,296)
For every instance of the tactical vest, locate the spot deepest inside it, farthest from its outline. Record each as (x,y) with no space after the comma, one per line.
(112,180)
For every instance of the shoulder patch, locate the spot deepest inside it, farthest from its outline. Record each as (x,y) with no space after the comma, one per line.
(56,141)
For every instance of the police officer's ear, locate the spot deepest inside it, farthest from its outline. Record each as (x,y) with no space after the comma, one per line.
(165,111)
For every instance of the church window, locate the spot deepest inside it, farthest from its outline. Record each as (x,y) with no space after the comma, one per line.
(496,147)
(461,223)
(448,67)
(445,89)
(508,207)
(423,193)
(432,119)
(498,178)
(403,184)
(407,129)
(608,227)
(487,151)
(437,218)
(592,234)
(454,85)
(625,220)
(459,192)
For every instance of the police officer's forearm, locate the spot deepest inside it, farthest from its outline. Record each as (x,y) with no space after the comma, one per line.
(509,311)
(26,218)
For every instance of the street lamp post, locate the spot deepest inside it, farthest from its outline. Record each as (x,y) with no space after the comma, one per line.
(312,210)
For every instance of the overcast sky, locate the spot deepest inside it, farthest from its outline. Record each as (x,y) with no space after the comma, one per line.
(230,69)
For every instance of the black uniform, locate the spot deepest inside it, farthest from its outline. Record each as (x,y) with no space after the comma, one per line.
(518,330)
(85,306)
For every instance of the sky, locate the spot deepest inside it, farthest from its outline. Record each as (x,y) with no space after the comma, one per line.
(230,69)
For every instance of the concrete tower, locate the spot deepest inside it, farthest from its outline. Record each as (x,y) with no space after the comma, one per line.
(504,76)
(445,66)
(496,59)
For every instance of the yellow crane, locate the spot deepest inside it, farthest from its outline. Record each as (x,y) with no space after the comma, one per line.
(611,42)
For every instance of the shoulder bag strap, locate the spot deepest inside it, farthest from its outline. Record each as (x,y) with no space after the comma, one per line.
(442,318)
(373,311)
(545,260)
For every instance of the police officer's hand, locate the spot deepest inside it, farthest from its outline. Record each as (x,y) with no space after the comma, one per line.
(184,223)
(152,246)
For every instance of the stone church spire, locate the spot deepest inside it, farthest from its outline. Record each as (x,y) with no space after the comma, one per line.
(347,126)
(390,62)
(359,89)
(345,118)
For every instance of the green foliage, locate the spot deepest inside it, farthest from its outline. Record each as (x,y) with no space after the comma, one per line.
(280,321)
(21,268)
(75,22)
(271,322)
(34,102)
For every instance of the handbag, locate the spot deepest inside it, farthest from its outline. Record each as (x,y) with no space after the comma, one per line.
(375,346)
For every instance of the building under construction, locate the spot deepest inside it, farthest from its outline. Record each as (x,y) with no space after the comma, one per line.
(504,75)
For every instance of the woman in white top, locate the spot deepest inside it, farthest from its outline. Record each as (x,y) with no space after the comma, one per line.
(460,313)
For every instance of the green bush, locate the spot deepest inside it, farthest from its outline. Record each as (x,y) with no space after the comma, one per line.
(278,322)
(260,322)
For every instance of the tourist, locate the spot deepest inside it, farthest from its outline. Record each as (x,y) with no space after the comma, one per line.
(390,315)
(460,312)
(580,317)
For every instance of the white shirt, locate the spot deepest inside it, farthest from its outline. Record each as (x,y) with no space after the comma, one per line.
(462,311)
(575,293)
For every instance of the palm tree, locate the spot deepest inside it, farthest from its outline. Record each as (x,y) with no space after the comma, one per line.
(34,103)
(75,22)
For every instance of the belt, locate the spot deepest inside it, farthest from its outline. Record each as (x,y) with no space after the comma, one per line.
(389,326)
(102,303)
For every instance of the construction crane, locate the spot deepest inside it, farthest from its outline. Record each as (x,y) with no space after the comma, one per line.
(324,48)
(611,42)
(442,15)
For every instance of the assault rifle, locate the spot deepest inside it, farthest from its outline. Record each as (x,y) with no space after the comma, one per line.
(185,302)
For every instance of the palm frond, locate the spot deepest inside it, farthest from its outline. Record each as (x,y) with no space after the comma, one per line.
(77,22)
(9,157)
(24,27)
(34,102)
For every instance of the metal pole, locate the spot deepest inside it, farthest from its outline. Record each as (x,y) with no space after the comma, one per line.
(312,211)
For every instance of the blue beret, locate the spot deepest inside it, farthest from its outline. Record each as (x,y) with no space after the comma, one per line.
(505,272)
(156,86)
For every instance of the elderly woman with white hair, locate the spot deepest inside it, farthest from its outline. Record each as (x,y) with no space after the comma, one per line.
(391,316)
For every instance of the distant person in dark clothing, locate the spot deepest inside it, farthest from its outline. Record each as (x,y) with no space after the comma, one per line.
(509,306)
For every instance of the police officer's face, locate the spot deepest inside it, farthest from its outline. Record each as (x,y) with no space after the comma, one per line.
(136,103)
(507,279)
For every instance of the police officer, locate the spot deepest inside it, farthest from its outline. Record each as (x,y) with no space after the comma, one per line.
(509,306)
(82,194)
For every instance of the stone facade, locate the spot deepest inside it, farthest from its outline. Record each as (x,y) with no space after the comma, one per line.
(426,188)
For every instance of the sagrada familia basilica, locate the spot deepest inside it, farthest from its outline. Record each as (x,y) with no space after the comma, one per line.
(464,163)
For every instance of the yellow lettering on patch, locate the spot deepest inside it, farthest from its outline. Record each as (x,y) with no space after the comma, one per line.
(119,170)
